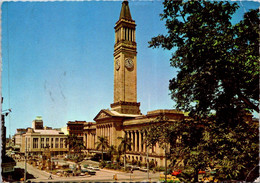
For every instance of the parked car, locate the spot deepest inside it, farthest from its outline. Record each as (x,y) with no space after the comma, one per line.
(90,172)
(95,168)
(90,167)
(175,173)
(135,167)
(143,169)
(82,174)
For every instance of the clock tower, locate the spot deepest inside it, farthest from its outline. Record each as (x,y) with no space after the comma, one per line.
(125,88)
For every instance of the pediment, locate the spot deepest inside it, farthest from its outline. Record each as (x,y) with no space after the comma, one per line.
(102,115)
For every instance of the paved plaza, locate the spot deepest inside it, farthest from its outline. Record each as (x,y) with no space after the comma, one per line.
(104,175)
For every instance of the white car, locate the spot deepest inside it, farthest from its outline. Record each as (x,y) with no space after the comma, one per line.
(95,168)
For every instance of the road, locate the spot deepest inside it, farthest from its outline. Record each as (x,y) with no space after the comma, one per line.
(104,175)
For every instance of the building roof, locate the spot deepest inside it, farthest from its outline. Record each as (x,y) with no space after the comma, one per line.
(125,11)
(105,113)
(76,122)
(48,132)
(115,113)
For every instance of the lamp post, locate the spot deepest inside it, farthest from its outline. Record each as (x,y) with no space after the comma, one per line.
(147,159)
(25,161)
(165,151)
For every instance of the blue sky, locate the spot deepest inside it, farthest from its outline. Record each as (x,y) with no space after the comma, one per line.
(59,58)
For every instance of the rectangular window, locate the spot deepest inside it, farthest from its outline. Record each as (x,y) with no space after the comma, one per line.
(56,142)
(35,143)
(47,143)
(29,143)
(42,142)
(51,142)
(61,142)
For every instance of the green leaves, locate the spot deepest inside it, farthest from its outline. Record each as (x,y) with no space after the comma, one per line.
(208,45)
(218,81)
(102,144)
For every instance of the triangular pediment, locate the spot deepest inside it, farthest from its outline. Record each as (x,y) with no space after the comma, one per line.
(102,115)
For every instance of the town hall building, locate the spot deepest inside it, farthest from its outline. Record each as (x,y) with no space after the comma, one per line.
(125,117)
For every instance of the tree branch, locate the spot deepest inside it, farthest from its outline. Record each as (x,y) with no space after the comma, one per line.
(247,102)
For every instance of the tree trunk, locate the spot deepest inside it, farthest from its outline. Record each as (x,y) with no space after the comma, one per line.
(196,176)
(102,155)
(125,161)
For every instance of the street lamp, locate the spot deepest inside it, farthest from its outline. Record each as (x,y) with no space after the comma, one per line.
(147,159)
(25,161)
(165,151)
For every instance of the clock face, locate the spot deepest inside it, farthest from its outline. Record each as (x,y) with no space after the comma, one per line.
(117,65)
(129,63)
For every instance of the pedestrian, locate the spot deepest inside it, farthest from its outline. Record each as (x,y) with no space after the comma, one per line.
(50,177)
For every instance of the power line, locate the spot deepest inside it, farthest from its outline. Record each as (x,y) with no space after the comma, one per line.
(8,66)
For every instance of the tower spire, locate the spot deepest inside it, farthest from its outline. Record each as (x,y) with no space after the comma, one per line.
(125,11)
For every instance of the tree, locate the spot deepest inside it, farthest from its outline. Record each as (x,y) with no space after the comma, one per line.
(103,144)
(217,81)
(217,61)
(124,145)
(182,138)
(75,144)
(111,152)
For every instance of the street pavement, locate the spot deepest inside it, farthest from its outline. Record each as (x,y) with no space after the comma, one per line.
(104,175)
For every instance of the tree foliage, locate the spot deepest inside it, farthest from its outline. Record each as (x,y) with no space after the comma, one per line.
(103,144)
(218,62)
(112,150)
(124,145)
(75,144)
(182,139)
(217,83)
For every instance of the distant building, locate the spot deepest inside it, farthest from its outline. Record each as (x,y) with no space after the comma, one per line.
(37,124)
(76,128)
(90,136)
(18,136)
(64,130)
(37,140)
(7,163)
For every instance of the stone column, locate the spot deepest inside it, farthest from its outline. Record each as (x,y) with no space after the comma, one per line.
(138,141)
(90,141)
(133,140)
(121,33)
(130,137)
(107,132)
(101,130)
(110,134)
(86,137)
(135,133)
(142,142)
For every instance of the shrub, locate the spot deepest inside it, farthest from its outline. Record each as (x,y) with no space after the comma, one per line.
(139,163)
(159,169)
(151,164)
(134,162)
(108,165)
(102,164)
